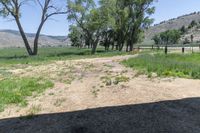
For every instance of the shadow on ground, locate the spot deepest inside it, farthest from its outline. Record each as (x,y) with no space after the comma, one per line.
(178,116)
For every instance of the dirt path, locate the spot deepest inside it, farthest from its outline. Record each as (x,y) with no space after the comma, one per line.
(112,98)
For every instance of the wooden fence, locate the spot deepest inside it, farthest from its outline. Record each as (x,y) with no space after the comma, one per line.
(168,48)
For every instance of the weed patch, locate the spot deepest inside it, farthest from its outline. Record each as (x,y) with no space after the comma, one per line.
(15,90)
(175,65)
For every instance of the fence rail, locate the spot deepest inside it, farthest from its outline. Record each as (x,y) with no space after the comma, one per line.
(182,47)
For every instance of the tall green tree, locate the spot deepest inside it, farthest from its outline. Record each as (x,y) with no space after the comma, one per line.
(93,21)
(78,13)
(112,22)
(139,12)
(75,36)
(168,37)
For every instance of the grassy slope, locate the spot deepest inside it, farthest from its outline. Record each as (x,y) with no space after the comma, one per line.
(178,65)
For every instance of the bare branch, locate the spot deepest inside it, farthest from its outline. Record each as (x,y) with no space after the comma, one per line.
(40,4)
(55,13)
(8,9)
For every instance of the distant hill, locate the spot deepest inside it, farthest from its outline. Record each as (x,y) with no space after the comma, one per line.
(12,38)
(175,23)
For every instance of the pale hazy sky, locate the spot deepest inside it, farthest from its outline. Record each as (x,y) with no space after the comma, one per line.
(165,9)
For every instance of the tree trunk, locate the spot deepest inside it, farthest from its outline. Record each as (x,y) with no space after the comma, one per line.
(131,46)
(131,42)
(35,49)
(166,49)
(28,48)
(127,48)
(117,47)
(113,46)
(121,46)
(94,48)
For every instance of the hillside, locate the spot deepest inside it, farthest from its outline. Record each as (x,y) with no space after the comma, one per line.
(175,23)
(11,38)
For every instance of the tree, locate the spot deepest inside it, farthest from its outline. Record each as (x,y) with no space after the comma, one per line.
(93,21)
(113,22)
(167,37)
(157,39)
(192,24)
(78,13)
(139,12)
(13,8)
(108,9)
(183,30)
(174,36)
(98,22)
(75,36)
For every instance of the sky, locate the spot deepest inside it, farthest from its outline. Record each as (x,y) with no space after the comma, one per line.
(165,9)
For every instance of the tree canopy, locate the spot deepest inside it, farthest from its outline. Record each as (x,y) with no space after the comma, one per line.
(113,23)
(167,37)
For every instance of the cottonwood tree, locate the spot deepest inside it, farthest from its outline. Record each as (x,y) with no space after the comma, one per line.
(167,37)
(76,36)
(139,12)
(78,12)
(99,22)
(108,33)
(131,18)
(13,8)
(112,22)
(93,21)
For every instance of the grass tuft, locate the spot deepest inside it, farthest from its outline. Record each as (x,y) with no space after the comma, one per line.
(15,90)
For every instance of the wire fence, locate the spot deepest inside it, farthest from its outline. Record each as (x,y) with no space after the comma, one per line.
(184,48)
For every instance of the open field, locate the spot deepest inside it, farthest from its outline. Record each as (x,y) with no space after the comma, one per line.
(102,66)
(12,56)
(96,95)
(176,65)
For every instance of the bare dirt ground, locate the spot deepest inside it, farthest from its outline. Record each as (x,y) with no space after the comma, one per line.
(102,96)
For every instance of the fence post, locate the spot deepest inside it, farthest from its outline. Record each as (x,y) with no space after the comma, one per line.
(183,49)
(166,50)
(192,48)
(199,47)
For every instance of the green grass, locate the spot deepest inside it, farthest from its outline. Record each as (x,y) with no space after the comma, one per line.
(176,65)
(12,56)
(15,90)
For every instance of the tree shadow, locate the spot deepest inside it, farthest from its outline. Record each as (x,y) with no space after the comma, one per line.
(72,53)
(13,57)
(178,116)
(79,52)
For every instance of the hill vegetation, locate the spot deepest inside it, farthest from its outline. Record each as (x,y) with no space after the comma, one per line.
(12,39)
(184,35)
(172,24)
